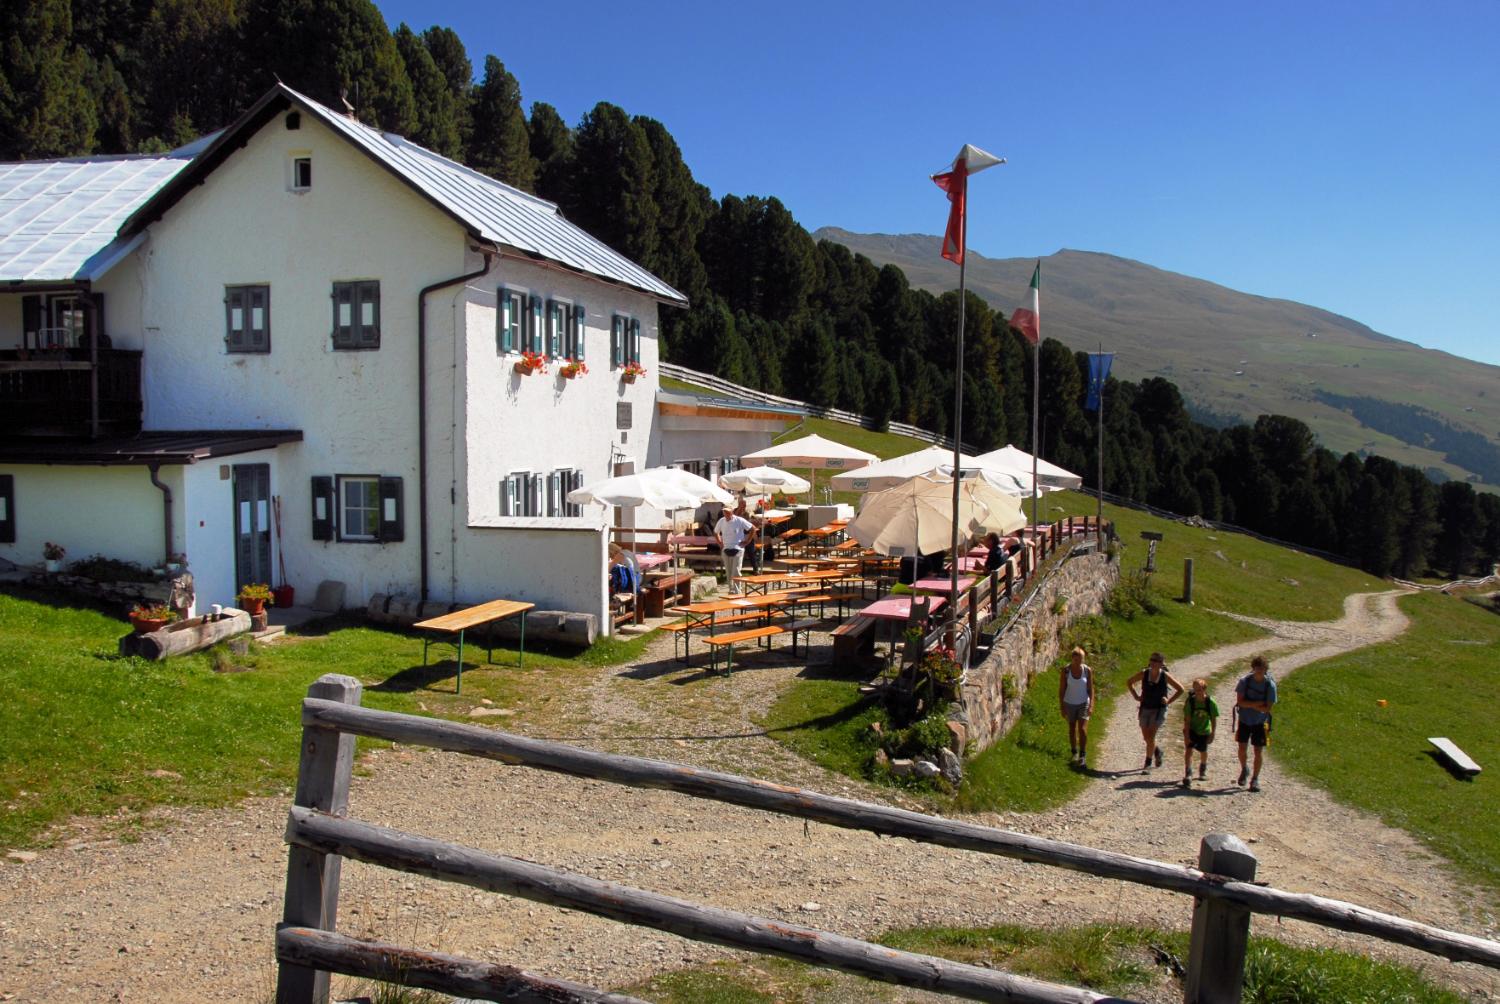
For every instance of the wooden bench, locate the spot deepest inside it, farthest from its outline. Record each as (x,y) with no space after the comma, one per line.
(681,629)
(715,642)
(460,621)
(1460,760)
(659,592)
(854,640)
(622,608)
(797,627)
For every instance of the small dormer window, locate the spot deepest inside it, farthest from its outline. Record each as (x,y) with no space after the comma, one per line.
(301,180)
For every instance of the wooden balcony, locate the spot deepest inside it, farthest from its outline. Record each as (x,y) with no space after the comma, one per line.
(51,393)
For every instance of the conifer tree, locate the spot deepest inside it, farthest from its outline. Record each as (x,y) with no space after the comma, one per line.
(500,145)
(552,149)
(46,109)
(452,60)
(435,104)
(613,185)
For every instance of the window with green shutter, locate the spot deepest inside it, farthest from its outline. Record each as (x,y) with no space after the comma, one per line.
(617,341)
(356,314)
(512,320)
(634,346)
(534,326)
(577,329)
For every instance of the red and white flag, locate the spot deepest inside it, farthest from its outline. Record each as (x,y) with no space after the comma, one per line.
(955,181)
(1028,316)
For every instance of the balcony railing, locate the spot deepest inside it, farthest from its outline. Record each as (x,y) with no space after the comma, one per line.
(50,393)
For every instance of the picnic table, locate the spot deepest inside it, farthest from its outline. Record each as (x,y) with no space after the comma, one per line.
(898,608)
(460,621)
(652,559)
(703,615)
(944,585)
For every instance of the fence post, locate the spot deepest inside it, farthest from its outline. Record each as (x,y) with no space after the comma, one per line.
(1216,958)
(312,879)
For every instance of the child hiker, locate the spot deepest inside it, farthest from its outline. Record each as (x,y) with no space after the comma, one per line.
(1200,723)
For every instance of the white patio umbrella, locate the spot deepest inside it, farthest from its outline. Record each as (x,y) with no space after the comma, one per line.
(813,452)
(630,490)
(764,479)
(917,517)
(704,489)
(883,474)
(1007,482)
(1010,458)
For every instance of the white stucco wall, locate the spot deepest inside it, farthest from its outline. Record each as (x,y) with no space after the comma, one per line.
(113,511)
(555,569)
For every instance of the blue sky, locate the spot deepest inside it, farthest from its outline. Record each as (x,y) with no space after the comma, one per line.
(1339,154)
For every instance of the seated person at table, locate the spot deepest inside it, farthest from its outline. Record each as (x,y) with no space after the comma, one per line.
(995,560)
(624,572)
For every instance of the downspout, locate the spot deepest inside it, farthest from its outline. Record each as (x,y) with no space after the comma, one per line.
(166,510)
(489,257)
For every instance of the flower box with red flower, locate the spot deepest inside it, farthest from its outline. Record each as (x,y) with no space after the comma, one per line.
(573,369)
(152,617)
(632,372)
(531,362)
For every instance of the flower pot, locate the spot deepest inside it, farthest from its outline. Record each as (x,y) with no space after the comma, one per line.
(145,625)
(523,368)
(284,595)
(253,607)
(53,564)
(628,377)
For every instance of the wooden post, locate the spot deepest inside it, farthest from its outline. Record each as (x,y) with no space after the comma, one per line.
(1187,580)
(312,878)
(1221,930)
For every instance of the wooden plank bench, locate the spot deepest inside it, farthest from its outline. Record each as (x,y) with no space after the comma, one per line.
(1460,760)
(460,621)
(659,592)
(728,641)
(681,629)
(854,640)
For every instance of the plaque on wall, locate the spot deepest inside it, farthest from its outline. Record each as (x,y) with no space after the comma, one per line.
(622,414)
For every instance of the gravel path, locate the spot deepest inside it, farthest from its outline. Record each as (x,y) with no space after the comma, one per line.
(187,913)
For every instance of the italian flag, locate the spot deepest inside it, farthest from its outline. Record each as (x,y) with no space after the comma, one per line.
(1027,318)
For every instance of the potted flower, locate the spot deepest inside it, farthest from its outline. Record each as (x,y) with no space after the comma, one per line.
(148,617)
(254,597)
(632,371)
(573,368)
(531,362)
(53,554)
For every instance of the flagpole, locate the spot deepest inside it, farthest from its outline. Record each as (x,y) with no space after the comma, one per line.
(958,412)
(1099,484)
(1036,415)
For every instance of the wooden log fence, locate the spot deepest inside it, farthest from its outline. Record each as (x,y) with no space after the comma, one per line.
(320,838)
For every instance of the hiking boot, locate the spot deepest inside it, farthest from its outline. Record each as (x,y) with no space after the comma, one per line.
(1203,772)
(1255,784)
(1073,755)
(1147,765)
(1157,756)
(1187,780)
(1244,773)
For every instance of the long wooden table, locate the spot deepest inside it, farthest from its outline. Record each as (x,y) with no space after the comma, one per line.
(703,615)
(460,621)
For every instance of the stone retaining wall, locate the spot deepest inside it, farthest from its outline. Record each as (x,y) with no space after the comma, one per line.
(175,592)
(984,712)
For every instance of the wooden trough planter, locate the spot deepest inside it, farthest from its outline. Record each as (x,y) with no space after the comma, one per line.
(182,637)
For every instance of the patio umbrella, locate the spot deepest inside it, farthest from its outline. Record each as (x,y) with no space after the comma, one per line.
(704,489)
(813,452)
(883,474)
(1010,458)
(630,490)
(1006,482)
(917,517)
(764,479)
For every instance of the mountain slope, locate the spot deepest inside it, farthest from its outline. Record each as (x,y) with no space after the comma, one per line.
(1231,353)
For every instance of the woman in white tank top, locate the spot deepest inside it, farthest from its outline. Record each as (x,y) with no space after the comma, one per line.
(1075,697)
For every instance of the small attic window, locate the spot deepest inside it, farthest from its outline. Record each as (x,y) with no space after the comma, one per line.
(294,120)
(301,179)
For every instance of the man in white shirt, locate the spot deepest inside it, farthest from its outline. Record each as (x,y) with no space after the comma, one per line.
(733,530)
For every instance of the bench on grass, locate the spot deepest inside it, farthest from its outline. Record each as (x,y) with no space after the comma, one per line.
(728,641)
(854,640)
(1460,760)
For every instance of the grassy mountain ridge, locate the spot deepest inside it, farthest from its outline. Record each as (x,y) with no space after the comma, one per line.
(1229,352)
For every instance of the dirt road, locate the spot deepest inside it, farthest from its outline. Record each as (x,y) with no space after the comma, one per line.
(188,912)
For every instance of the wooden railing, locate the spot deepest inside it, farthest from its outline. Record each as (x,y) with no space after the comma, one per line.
(51,392)
(321,835)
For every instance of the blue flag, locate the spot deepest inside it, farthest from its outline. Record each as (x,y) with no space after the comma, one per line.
(1098,373)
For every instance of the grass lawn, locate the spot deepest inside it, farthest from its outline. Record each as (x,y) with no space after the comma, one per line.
(1437,679)
(88,732)
(1107,959)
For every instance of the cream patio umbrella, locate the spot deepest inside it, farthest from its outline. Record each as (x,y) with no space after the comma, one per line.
(764,479)
(1011,458)
(704,489)
(883,474)
(917,517)
(813,452)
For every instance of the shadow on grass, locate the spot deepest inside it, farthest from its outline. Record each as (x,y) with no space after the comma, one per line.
(1447,765)
(414,678)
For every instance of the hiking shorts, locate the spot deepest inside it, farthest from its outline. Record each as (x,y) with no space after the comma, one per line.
(1151,718)
(1197,742)
(1255,735)
(1075,712)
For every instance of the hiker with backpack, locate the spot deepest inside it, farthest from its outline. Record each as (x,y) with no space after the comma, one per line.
(1200,724)
(1075,694)
(1254,696)
(1153,699)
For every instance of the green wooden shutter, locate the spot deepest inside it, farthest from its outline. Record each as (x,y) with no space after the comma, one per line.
(579,327)
(554,329)
(534,333)
(235,321)
(391,517)
(367,320)
(7,508)
(322,508)
(617,341)
(635,340)
(503,338)
(343,315)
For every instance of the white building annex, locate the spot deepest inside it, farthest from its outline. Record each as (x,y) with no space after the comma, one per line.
(303,308)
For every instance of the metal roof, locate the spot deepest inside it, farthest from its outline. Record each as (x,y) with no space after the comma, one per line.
(163,447)
(490,210)
(709,403)
(59,218)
